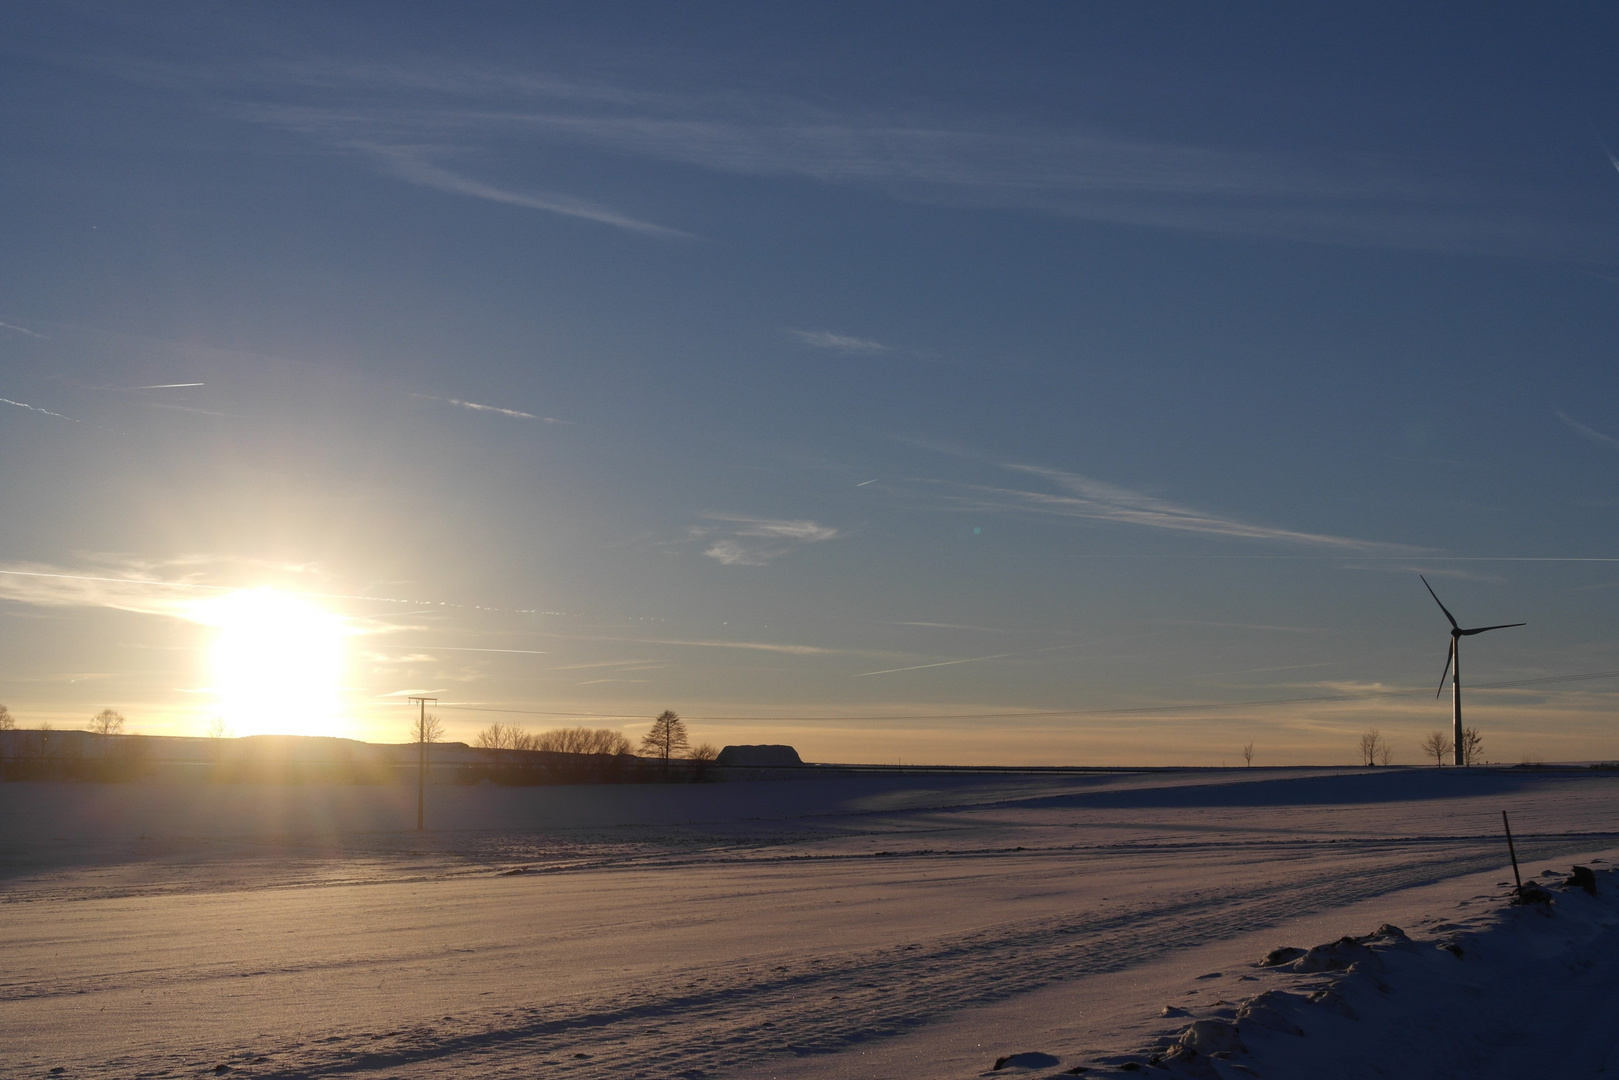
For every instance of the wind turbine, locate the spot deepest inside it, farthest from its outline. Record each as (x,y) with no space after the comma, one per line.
(1453,662)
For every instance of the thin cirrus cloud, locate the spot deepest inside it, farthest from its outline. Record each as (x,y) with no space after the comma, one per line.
(41,585)
(825,339)
(473,406)
(171,588)
(1080,497)
(1588,434)
(37,409)
(426,129)
(749,541)
(414,167)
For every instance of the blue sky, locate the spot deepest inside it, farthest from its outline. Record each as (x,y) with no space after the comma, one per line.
(952,383)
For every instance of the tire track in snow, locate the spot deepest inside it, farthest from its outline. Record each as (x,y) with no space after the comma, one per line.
(731,1015)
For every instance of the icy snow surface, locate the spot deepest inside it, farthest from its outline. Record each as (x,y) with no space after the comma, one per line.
(833,926)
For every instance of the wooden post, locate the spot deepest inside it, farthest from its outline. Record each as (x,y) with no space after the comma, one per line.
(1513,851)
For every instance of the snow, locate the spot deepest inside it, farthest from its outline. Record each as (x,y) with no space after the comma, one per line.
(829,926)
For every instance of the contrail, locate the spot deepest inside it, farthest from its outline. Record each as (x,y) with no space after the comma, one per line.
(873,480)
(22,330)
(167,386)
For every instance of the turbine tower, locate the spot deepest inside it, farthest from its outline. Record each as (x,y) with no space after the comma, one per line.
(1453,662)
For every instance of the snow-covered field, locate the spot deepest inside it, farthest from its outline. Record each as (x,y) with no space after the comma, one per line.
(834,926)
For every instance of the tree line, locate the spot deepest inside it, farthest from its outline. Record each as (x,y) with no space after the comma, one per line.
(1376,750)
(105,722)
(667,740)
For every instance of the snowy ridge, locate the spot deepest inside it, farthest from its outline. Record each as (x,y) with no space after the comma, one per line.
(1502,988)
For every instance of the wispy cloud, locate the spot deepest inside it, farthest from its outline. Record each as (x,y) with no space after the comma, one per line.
(413,165)
(1614,161)
(1068,647)
(48,586)
(21,330)
(1587,433)
(185,588)
(749,541)
(746,646)
(36,408)
(825,339)
(1078,496)
(431,123)
(471,648)
(473,406)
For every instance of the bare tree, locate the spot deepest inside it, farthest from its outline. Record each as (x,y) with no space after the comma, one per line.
(608,741)
(426,728)
(500,737)
(1385,753)
(1436,744)
(582,740)
(1472,743)
(1248,754)
(1372,747)
(106,722)
(218,729)
(702,756)
(6,722)
(666,738)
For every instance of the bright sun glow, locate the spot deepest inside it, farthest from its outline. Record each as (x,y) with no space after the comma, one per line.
(278,664)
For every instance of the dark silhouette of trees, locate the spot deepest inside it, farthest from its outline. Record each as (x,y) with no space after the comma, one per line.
(504,737)
(582,740)
(106,722)
(701,757)
(1472,744)
(1437,745)
(576,740)
(667,737)
(1248,754)
(6,721)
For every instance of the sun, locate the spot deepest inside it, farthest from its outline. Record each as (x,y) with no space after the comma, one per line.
(278,663)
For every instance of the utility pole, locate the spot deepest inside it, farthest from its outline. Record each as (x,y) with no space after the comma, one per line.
(421,757)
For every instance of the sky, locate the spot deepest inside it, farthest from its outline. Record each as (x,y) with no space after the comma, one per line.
(927,383)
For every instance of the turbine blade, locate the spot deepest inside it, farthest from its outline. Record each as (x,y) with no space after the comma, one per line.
(1448,654)
(1441,603)
(1502,626)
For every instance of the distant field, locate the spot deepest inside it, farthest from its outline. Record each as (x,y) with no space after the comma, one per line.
(846,925)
